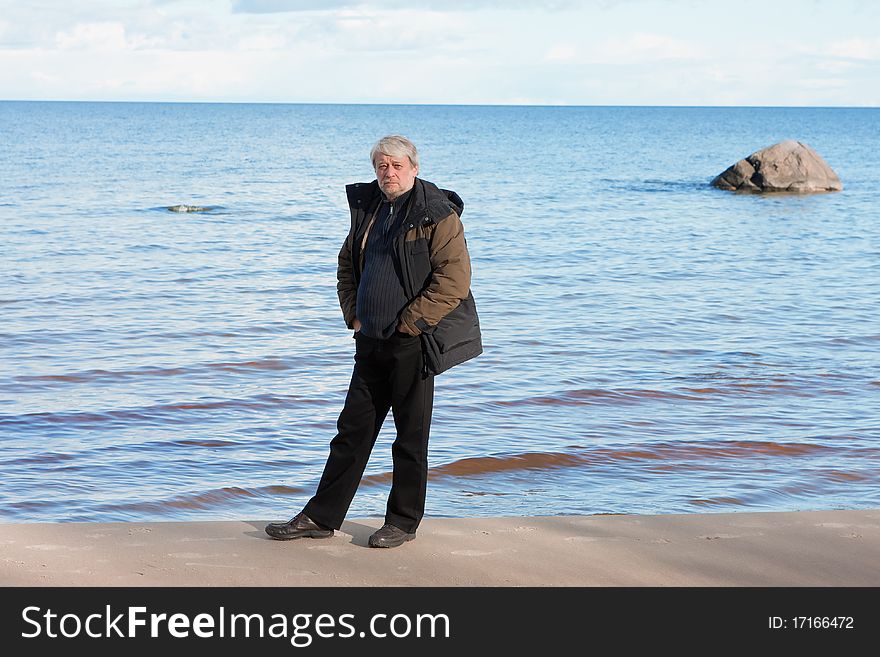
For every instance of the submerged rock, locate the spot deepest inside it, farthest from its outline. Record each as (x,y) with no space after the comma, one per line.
(188,208)
(789,166)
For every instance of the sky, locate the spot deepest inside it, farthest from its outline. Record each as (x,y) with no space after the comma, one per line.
(557,52)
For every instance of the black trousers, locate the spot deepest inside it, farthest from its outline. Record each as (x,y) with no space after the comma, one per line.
(388,374)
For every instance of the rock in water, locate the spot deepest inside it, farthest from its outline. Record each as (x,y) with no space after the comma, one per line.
(188,208)
(789,166)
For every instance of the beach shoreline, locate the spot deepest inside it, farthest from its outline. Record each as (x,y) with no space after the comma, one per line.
(801,548)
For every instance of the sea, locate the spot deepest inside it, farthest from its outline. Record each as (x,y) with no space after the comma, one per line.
(652,345)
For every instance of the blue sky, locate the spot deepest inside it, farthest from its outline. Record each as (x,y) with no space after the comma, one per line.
(574,52)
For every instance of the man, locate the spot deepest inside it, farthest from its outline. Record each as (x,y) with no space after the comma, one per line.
(404,288)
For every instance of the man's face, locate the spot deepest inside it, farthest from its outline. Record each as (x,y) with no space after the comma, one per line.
(396,175)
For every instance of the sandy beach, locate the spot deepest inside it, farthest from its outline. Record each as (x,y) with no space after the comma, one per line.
(807,548)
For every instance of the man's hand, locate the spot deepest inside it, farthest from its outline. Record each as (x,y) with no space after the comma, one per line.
(356,324)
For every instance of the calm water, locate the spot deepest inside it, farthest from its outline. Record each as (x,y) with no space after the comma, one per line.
(652,345)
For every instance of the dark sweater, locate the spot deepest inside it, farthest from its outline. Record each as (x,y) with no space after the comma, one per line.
(380,295)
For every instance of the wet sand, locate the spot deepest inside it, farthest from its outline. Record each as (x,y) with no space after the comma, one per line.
(807,548)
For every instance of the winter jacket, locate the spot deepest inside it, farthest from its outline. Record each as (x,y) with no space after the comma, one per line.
(431,258)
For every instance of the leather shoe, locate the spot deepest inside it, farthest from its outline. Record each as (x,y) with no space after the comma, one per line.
(300,526)
(390,536)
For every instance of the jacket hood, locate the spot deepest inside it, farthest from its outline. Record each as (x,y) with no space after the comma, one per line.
(426,198)
(441,201)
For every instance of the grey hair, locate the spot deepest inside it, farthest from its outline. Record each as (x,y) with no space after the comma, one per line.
(395,146)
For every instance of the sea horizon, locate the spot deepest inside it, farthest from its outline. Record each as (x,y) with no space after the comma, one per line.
(417,104)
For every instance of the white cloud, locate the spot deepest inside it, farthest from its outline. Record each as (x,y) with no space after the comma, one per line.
(136,74)
(644,47)
(822,83)
(284,6)
(454,51)
(868,49)
(369,30)
(561,52)
(104,36)
(836,66)
(266,41)
(46,78)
